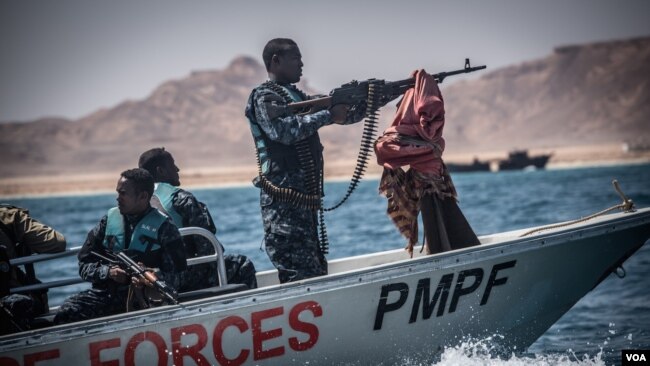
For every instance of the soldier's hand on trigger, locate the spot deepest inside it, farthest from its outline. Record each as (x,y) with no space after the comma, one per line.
(118,275)
(339,113)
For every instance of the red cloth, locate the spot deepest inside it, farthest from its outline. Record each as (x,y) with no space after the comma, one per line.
(421,114)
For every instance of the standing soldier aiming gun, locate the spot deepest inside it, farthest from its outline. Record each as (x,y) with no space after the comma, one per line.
(284,123)
(290,159)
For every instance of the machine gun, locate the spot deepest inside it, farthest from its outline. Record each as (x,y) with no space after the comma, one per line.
(356,92)
(135,270)
(375,94)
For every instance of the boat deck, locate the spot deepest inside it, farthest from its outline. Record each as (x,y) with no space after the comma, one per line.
(343,265)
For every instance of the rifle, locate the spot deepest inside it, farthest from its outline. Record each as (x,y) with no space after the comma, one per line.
(356,92)
(135,270)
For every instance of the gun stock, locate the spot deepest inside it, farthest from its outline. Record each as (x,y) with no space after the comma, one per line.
(311,106)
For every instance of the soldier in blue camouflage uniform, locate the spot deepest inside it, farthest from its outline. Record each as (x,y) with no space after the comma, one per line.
(185,210)
(290,228)
(147,236)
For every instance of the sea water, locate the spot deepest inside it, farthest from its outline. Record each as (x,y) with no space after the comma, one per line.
(613,316)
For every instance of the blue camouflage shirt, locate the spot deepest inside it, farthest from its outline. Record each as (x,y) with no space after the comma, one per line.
(267,109)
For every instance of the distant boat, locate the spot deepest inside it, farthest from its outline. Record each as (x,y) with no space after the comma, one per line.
(475,166)
(519,159)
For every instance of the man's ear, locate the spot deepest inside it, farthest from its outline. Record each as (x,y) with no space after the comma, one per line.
(143,195)
(159,172)
(275,59)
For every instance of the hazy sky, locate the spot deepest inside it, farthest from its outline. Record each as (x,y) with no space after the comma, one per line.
(70,57)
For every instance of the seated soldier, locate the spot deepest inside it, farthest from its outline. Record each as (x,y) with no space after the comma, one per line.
(20,236)
(185,210)
(143,233)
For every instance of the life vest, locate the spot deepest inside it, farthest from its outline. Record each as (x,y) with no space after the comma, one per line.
(166,193)
(144,238)
(274,154)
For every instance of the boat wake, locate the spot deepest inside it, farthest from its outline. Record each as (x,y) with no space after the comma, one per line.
(489,352)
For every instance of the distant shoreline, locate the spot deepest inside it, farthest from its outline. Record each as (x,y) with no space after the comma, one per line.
(209,178)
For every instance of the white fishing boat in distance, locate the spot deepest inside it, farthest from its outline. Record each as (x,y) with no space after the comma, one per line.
(379,308)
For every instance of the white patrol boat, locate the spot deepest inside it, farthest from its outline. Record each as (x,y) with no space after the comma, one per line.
(378,308)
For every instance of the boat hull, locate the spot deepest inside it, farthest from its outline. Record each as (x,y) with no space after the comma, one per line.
(408,309)
(539,162)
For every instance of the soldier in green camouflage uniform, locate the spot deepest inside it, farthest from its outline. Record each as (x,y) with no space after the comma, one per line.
(185,210)
(290,229)
(20,236)
(145,234)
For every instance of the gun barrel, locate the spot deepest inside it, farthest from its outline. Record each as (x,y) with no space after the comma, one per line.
(100,256)
(442,75)
(128,261)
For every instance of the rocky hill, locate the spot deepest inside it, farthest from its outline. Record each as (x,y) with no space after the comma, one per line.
(588,94)
(583,94)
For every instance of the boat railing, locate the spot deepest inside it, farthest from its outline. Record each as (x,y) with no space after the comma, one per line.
(187,231)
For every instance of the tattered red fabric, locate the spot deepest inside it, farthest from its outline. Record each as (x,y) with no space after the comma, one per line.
(421,115)
(414,139)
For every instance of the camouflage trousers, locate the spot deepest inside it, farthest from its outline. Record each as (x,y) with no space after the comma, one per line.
(90,304)
(291,240)
(239,269)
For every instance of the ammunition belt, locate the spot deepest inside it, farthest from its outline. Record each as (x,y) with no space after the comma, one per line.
(373,104)
(312,200)
(289,195)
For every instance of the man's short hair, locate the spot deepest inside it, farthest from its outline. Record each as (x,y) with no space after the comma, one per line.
(150,159)
(142,180)
(276,46)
